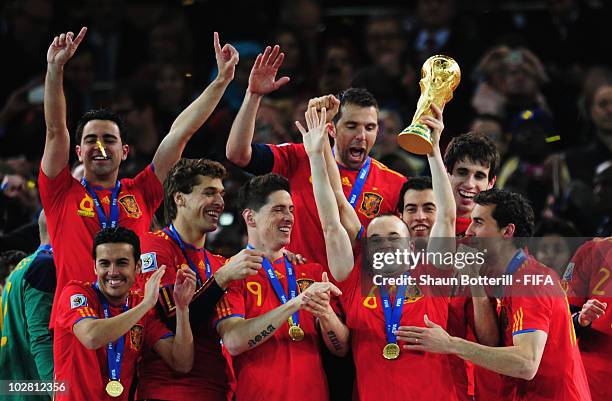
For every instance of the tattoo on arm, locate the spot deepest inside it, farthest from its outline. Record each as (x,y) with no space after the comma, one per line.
(334,340)
(268,331)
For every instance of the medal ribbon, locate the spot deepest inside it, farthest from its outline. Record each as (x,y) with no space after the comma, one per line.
(114,353)
(177,238)
(359,182)
(516,261)
(277,286)
(393,314)
(114,208)
(45,248)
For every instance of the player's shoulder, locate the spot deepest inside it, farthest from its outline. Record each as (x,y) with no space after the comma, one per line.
(215,256)
(311,269)
(155,237)
(133,182)
(296,149)
(387,172)
(80,293)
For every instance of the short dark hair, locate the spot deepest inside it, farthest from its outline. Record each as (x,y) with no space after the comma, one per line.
(414,183)
(510,207)
(358,96)
(474,146)
(101,114)
(255,192)
(183,177)
(117,235)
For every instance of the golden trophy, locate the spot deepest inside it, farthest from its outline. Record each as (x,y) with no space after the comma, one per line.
(440,77)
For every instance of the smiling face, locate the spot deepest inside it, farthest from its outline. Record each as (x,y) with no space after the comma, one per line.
(468,179)
(204,205)
(116,270)
(89,153)
(274,220)
(419,212)
(387,234)
(355,134)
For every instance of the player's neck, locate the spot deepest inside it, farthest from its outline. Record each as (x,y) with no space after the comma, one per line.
(189,234)
(106,181)
(271,251)
(464,214)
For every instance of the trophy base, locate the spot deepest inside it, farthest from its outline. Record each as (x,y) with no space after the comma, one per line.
(416,138)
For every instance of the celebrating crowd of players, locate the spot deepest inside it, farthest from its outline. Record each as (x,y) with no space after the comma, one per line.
(147,322)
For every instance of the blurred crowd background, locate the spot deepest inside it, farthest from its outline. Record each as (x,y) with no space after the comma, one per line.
(536,77)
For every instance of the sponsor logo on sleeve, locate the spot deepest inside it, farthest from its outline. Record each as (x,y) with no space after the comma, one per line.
(149,262)
(78,300)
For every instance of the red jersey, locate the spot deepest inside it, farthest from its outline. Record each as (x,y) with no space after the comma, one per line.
(561,375)
(379,196)
(589,277)
(85,371)
(416,375)
(208,380)
(280,368)
(72,219)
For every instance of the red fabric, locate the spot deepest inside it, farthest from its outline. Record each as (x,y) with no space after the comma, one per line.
(72,219)
(208,380)
(421,375)
(589,276)
(278,369)
(561,375)
(379,196)
(461,225)
(85,371)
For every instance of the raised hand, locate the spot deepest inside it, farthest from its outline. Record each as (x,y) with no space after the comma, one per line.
(317,130)
(245,263)
(152,287)
(435,123)
(263,74)
(63,47)
(329,102)
(592,310)
(227,58)
(184,287)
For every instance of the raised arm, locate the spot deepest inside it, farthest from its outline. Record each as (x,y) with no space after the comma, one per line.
(192,118)
(57,141)
(177,352)
(261,82)
(337,242)
(96,333)
(240,335)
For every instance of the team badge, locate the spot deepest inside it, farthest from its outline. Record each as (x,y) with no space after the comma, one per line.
(413,293)
(77,300)
(136,337)
(86,207)
(149,262)
(370,206)
(304,283)
(130,206)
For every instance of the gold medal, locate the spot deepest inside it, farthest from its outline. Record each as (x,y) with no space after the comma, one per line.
(114,388)
(296,333)
(391,351)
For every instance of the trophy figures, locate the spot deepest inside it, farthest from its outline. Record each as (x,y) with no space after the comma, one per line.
(440,77)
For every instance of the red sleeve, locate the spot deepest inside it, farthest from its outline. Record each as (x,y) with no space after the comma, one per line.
(149,184)
(577,275)
(232,304)
(75,303)
(155,329)
(287,158)
(530,313)
(53,190)
(156,252)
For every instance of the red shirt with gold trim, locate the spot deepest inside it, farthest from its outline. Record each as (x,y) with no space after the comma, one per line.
(379,196)
(208,380)
(527,308)
(72,219)
(280,368)
(590,277)
(85,371)
(416,375)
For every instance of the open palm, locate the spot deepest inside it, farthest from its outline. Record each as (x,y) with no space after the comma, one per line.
(315,137)
(263,74)
(64,46)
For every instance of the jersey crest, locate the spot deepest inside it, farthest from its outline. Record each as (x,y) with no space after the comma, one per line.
(370,205)
(130,206)
(304,283)
(136,337)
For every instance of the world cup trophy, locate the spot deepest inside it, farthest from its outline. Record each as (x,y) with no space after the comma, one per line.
(440,76)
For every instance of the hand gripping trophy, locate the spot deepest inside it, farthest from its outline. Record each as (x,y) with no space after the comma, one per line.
(440,77)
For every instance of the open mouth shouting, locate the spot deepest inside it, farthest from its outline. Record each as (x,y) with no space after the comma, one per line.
(356,154)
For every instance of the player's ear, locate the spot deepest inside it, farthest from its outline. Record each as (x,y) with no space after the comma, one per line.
(125,150)
(509,230)
(77,149)
(492,182)
(249,219)
(179,199)
(138,266)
